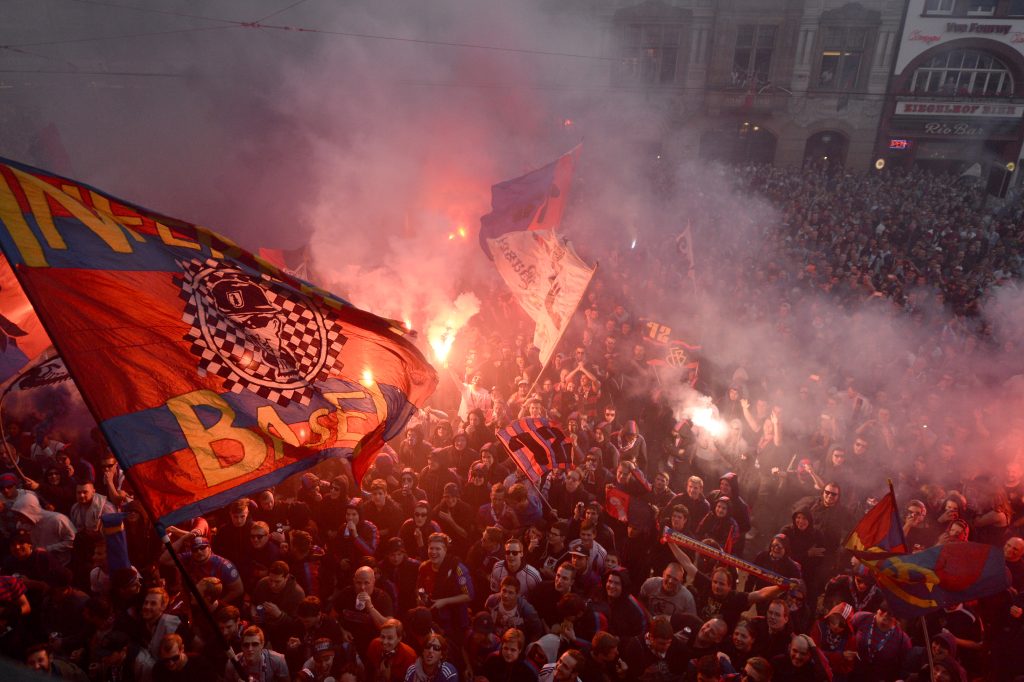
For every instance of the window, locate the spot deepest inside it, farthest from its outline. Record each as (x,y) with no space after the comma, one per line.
(981,8)
(939,6)
(963,73)
(842,57)
(752,59)
(1015,8)
(651,52)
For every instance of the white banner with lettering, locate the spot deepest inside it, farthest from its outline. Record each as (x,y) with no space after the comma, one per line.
(546,277)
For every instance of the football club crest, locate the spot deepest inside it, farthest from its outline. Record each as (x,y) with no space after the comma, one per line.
(257,334)
(46,374)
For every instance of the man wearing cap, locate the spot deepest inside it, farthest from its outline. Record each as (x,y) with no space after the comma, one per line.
(51,531)
(112,657)
(587,544)
(201,562)
(388,657)
(517,400)
(400,570)
(482,640)
(455,517)
(309,625)
(435,476)
(476,493)
(319,667)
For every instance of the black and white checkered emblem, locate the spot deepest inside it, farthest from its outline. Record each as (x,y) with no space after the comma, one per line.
(257,334)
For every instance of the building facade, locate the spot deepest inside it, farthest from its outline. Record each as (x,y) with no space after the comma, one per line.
(957,91)
(778,81)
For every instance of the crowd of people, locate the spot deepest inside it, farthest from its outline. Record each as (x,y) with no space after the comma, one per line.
(446,562)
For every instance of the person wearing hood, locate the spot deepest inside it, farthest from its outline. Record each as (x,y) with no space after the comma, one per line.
(944,651)
(51,531)
(632,445)
(719,525)
(626,616)
(806,543)
(729,486)
(834,636)
(776,558)
(410,492)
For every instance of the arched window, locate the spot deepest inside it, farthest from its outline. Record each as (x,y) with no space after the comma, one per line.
(963,73)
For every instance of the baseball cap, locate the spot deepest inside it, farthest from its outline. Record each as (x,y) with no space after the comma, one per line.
(8,480)
(451,489)
(323,646)
(482,622)
(576,552)
(394,545)
(200,541)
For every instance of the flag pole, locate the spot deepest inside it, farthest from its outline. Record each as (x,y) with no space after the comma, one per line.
(924,625)
(562,334)
(158,526)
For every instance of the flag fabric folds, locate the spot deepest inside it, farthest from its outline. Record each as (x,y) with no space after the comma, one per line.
(534,201)
(536,446)
(22,336)
(116,541)
(46,370)
(880,533)
(616,503)
(547,279)
(940,576)
(212,373)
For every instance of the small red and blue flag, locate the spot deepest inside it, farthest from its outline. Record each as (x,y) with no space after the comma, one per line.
(536,445)
(880,533)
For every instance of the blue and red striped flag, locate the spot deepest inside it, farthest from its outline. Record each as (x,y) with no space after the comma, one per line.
(537,446)
(212,373)
(880,533)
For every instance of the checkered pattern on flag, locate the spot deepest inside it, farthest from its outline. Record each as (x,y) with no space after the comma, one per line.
(212,373)
(536,446)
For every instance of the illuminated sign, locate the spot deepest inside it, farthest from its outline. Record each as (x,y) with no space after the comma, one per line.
(899,143)
(959,109)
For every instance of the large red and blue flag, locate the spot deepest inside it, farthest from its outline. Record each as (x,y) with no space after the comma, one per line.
(212,372)
(535,201)
(940,576)
(536,446)
(880,533)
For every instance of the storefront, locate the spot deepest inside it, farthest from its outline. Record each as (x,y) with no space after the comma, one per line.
(958,78)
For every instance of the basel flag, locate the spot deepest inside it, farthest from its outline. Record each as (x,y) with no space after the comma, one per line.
(940,576)
(212,373)
(880,533)
(536,446)
(534,201)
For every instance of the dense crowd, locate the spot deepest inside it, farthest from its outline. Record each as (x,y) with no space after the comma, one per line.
(447,563)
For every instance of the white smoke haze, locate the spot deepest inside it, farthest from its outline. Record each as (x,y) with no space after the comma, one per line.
(376,153)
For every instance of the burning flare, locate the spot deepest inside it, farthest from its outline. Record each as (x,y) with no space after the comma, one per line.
(704,416)
(446,324)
